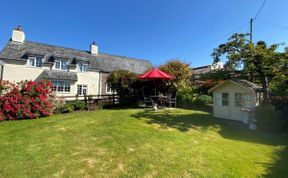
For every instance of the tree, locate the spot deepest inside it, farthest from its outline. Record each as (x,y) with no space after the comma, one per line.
(180,71)
(252,58)
(279,90)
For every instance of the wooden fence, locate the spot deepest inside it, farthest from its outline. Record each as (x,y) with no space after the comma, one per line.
(112,99)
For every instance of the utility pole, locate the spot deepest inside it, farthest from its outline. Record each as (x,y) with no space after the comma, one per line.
(251,29)
(250,75)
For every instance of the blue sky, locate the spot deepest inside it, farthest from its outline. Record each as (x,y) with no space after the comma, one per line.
(156,30)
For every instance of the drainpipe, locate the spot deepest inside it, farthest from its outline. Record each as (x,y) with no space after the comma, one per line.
(1,75)
(99,84)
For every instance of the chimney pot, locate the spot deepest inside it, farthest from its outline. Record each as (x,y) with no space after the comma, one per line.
(19,28)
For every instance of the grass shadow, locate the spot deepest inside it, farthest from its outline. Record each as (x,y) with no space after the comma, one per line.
(181,122)
(203,121)
(278,168)
(233,130)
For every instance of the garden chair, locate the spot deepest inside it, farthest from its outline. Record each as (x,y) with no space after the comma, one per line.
(148,101)
(171,100)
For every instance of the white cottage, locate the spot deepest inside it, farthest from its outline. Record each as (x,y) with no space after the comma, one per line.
(71,71)
(233,98)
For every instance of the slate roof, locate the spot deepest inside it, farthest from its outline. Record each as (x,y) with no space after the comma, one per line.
(241,82)
(64,75)
(201,70)
(103,62)
(248,84)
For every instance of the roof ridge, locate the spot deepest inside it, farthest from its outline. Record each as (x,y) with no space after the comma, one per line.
(80,50)
(122,56)
(51,45)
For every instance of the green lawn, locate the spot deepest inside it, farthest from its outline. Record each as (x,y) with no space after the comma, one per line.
(138,143)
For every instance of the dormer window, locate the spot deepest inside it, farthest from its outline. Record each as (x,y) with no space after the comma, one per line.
(35,61)
(82,67)
(61,64)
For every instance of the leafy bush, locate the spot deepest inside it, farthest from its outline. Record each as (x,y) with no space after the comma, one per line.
(202,87)
(25,100)
(57,103)
(269,119)
(66,108)
(78,105)
(186,96)
(203,100)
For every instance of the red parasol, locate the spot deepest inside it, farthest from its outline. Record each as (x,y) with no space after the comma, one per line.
(156,73)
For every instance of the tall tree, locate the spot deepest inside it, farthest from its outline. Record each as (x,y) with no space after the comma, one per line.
(180,71)
(252,58)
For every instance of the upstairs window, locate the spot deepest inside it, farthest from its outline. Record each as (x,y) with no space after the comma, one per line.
(35,62)
(61,64)
(82,67)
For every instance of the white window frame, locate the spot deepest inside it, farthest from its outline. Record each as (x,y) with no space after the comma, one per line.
(225,99)
(35,60)
(82,67)
(82,88)
(246,100)
(61,64)
(238,97)
(62,86)
(218,99)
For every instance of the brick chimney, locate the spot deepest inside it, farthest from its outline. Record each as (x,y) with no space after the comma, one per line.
(94,48)
(18,35)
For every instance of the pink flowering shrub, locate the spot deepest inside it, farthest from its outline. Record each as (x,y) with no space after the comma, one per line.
(25,100)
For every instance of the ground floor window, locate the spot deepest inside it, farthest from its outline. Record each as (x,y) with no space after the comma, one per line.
(218,99)
(242,100)
(225,99)
(108,88)
(238,100)
(221,99)
(82,90)
(62,86)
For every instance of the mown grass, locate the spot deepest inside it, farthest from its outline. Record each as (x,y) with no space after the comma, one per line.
(139,143)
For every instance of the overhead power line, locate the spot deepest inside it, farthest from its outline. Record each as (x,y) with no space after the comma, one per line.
(260,9)
(211,42)
(274,24)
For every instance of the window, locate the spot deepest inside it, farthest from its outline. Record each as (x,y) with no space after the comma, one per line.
(82,90)
(246,100)
(61,64)
(108,89)
(82,67)
(242,100)
(61,86)
(218,99)
(238,100)
(35,62)
(225,99)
